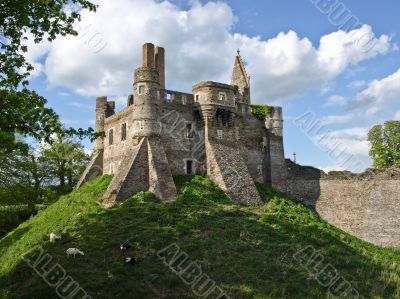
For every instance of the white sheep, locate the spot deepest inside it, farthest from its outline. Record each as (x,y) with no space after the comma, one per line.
(54,237)
(74,251)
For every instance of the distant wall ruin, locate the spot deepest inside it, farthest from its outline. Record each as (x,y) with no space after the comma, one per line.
(365,205)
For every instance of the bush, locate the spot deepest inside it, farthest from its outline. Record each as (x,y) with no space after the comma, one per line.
(12,216)
(261,111)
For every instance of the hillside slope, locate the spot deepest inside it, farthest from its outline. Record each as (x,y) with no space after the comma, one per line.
(248,252)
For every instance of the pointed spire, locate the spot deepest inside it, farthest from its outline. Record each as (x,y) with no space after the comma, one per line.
(239,75)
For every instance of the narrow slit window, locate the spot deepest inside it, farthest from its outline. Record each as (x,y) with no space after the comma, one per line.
(189,130)
(219,134)
(141,89)
(123,132)
(110,137)
(184,100)
(189,167)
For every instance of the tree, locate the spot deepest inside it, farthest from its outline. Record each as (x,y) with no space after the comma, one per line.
(67,160)
(385,144)
(23,111)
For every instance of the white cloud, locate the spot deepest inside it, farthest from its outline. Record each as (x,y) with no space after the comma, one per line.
(200,45)
(330,168)
(397,115)
(336,100)
(87,151)
(81,105)
(337,119)
(70,122)
(64,94)
(352,141)
(380,93)
(357,84)
(35,54)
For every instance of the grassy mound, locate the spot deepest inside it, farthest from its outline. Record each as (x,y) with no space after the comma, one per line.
(247,252)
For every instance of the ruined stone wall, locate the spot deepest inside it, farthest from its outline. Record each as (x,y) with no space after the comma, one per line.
(365,205)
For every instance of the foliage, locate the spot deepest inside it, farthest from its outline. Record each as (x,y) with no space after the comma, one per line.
(248,251)
(261,111)
(11,217)
(66,159)
(23,111)
(34,19)
(385,144)
(42,174)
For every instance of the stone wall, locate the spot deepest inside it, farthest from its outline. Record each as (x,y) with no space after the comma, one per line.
(365,205)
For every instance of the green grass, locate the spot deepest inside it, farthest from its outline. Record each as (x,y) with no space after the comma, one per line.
(247,251)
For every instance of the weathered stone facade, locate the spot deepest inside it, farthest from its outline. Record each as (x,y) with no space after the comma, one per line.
(366,205)
(163,133)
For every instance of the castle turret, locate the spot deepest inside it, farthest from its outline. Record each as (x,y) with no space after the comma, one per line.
(241,79)
(147,95)
(276,154)
(104,109)
(274,121)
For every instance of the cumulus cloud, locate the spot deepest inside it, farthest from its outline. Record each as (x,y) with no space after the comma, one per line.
(200,45)
(336,100)
(351,141)
(337,119)
(357,84)
(379,94)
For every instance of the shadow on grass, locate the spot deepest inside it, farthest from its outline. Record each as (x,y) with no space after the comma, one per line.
(248,252)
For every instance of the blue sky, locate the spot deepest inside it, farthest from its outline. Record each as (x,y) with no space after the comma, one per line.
(296,56)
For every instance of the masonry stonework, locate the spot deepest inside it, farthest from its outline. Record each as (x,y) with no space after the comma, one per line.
(366,205)
(163,133)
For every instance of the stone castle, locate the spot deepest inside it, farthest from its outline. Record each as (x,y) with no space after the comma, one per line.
(163,133)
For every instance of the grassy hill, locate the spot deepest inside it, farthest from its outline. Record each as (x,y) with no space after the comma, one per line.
(248,252)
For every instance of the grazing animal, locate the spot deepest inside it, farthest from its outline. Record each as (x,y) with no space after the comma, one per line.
(125,247)
(74,252)
(54,237)
(130,261)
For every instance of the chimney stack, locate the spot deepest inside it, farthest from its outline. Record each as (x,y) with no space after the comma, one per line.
(160,65)
(148,55)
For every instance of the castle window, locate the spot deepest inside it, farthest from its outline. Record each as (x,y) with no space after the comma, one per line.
(158,94)
(110,137)
(169,97)
(219,134)
(222,96)
(141,124)
(130,100)
(141,89)
(111,168)
(184,99)
(189,130)
(123,132)
(189,167)
(237,133)
(259,168)
(197,98)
